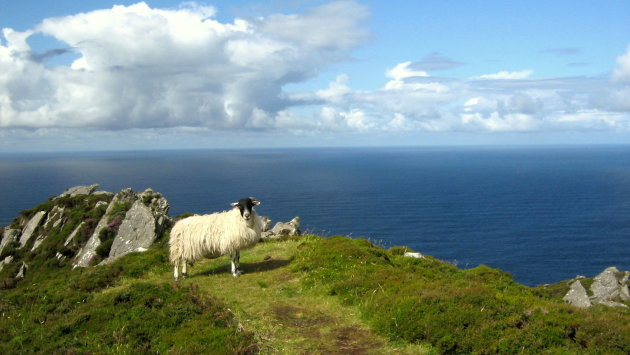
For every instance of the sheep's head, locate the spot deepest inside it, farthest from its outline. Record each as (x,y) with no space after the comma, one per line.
(245,205)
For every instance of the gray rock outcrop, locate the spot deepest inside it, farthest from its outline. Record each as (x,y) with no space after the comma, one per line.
(577,296)
(72,234)
(5,261)
(266,223)
(291,228)
(142,224)
(79,190)
(8,236)
(30,227)
(22,271)
(87,253)
(609,288)
(136,233)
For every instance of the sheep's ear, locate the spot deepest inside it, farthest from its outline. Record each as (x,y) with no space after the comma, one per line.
(253,199)
(234,204)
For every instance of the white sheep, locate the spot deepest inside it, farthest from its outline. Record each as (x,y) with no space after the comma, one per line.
(214,235)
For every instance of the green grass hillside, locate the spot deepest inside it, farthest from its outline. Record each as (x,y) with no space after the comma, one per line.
(301,295)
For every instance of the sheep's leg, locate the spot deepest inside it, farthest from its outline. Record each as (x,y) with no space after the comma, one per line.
(236,264)
(175,270)
(184,273)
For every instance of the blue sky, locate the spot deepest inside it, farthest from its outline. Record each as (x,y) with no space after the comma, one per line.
(102,75)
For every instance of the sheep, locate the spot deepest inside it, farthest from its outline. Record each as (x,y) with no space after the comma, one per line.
(214,235)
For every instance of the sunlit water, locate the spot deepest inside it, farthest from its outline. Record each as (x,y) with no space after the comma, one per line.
(542,214)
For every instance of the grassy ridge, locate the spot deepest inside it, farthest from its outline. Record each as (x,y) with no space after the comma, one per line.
(480,310)
(116,308)
(302,295)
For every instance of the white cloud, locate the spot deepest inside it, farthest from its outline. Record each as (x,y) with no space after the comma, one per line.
(181,71)
(508,75)
(141,67)
(402,71)
(622,71)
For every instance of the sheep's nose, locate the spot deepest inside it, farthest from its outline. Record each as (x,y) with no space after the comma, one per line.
(246,215)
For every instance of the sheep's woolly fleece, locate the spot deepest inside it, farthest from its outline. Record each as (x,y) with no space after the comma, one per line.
(213,235)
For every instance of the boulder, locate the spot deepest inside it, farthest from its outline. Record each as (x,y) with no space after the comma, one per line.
(8,236)
(72,235)
(22,271)
(609,286)
(30,227)
(88,252)
(266,223)
(55,217)
(38,241)
(5,261)
(413,255)
(291,228)
(79,190)
(138,230)
(577,296)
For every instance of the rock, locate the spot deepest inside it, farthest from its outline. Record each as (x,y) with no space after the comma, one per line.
(144,222)
(22,271)
(136,231)
(612,304)
(79,190)
(266,223)
(38,241)
(291,228)
(577,296)
(413,255)
(72,235)
(610,285)
(5,261)
(54,217)
(53,220)
(8,236)
(608,288)
(27,233)
(88,251)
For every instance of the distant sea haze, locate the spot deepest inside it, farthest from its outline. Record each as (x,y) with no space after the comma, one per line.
(542,214)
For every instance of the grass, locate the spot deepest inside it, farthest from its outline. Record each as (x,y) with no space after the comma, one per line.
(119,308)
(286,317)
(300,295)
(480,310)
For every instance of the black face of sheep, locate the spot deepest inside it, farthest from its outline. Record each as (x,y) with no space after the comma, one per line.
(245,205)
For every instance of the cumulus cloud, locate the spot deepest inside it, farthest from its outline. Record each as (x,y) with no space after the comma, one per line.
(622,72)
(142,67)
(181,70)
(413,100)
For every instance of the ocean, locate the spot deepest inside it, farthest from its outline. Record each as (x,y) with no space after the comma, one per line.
(543,214)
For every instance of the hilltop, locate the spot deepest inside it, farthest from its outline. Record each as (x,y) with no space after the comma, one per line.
(299,294)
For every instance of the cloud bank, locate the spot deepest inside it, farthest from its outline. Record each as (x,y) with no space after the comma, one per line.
(138,67)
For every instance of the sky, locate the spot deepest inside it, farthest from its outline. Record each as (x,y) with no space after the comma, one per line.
(128,75)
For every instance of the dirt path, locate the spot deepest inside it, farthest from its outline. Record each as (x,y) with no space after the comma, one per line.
(269,300)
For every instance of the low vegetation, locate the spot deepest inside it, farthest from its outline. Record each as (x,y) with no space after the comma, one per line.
(299,295)
(116,309)
(480,310)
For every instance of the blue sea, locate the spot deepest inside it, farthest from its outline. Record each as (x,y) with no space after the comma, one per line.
(544,214)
